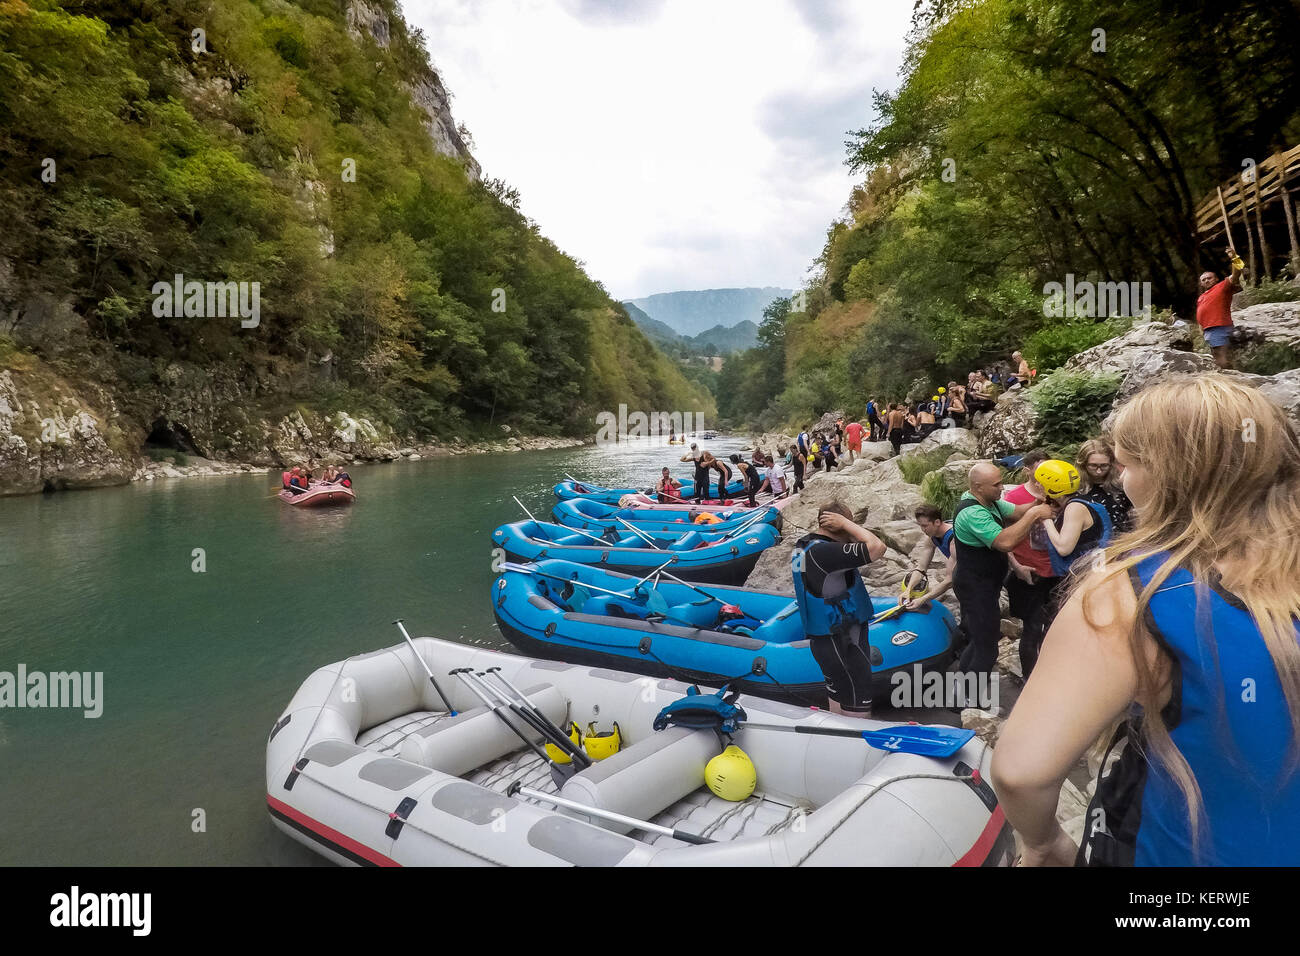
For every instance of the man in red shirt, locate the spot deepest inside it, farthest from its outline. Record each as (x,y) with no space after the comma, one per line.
(853,439)
(1030,600)
(1214,312)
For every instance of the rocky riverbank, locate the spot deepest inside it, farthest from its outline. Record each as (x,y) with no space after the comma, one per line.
(883,500)
(58,433)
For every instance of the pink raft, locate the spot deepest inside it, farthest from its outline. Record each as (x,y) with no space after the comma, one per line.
(319,494)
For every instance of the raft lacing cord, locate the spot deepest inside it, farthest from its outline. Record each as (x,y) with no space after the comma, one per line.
(875,790)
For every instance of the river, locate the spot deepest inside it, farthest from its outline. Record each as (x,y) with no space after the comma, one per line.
(200,652)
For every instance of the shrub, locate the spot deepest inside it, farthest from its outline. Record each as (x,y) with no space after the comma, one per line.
(1268,358)
(1070,407)
(1051,346)
(915,467)
(936,491)
(1280,290)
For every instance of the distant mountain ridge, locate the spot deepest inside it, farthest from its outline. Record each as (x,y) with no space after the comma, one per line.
(706,310)
(719,340)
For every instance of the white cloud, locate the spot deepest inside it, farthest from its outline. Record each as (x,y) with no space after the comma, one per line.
(670,144)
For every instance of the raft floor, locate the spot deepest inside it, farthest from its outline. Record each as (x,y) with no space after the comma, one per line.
(700,813)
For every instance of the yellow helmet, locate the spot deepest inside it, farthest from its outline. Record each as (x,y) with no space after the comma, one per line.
(602,745)
(559,756)
(1058,478)
(942,390)
(934,398)
(730,775)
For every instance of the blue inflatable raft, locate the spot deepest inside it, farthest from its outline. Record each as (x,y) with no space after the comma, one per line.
(693,555)
(560,610)
(595,516)
(567,490)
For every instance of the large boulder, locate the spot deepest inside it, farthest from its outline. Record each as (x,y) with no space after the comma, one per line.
(1011,427)
(958,439)
(1284,388)
(1276,321)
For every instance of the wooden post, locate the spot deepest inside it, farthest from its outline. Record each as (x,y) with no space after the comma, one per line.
(1266,256)
(1227,225)
(1289,208)
(1250,237)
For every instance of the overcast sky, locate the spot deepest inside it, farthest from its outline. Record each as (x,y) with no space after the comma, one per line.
(670,144)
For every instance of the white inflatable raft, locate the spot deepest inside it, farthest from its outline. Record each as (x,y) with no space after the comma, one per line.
(366,767)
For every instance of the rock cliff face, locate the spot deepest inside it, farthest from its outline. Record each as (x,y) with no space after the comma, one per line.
(427,92)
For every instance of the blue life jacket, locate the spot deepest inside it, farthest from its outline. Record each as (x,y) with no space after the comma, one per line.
(1061,563)
(717,711)
(1229,719)
(824,617)
(944,544)
(802,442)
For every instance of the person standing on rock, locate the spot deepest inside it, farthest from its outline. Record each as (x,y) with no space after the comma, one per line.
(877,427)
(834,605)
(1030,592)
(798,462)
(853,438)
(701,470)
(985,530)
(1214,311)
(894,421)
(1187,639)
(775,481)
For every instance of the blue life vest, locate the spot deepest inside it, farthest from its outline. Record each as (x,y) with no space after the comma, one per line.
(824,617)
(944,544)
(717,711)
(1061,563)
(1238,749)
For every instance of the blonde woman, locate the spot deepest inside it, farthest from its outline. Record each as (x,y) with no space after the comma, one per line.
(1186,639)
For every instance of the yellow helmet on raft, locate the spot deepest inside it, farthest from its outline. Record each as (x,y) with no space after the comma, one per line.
(601,745)
(559,756)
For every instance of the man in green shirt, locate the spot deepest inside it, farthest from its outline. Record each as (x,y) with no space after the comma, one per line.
(985,530)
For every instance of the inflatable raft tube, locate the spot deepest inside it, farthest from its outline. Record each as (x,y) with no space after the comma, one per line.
(595,516)
(692,555)
(766,653)
(566,490)
(318,495)
(366,767)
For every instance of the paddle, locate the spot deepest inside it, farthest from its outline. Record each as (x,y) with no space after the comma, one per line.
(659,606)
(906,592)
(648,540)
(906,738)
(560,772)
(450,710)
(517,789)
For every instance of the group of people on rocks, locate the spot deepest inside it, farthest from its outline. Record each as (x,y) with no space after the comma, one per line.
(299,478)
(761,474)
(1149,604)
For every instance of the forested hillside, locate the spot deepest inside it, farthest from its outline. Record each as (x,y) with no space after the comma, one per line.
(1028,140)
(293,145)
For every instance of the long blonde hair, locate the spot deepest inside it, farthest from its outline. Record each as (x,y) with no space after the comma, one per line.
(1223,471)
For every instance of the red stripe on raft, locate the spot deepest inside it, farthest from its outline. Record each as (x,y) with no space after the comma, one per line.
(334,836)
(977,854)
